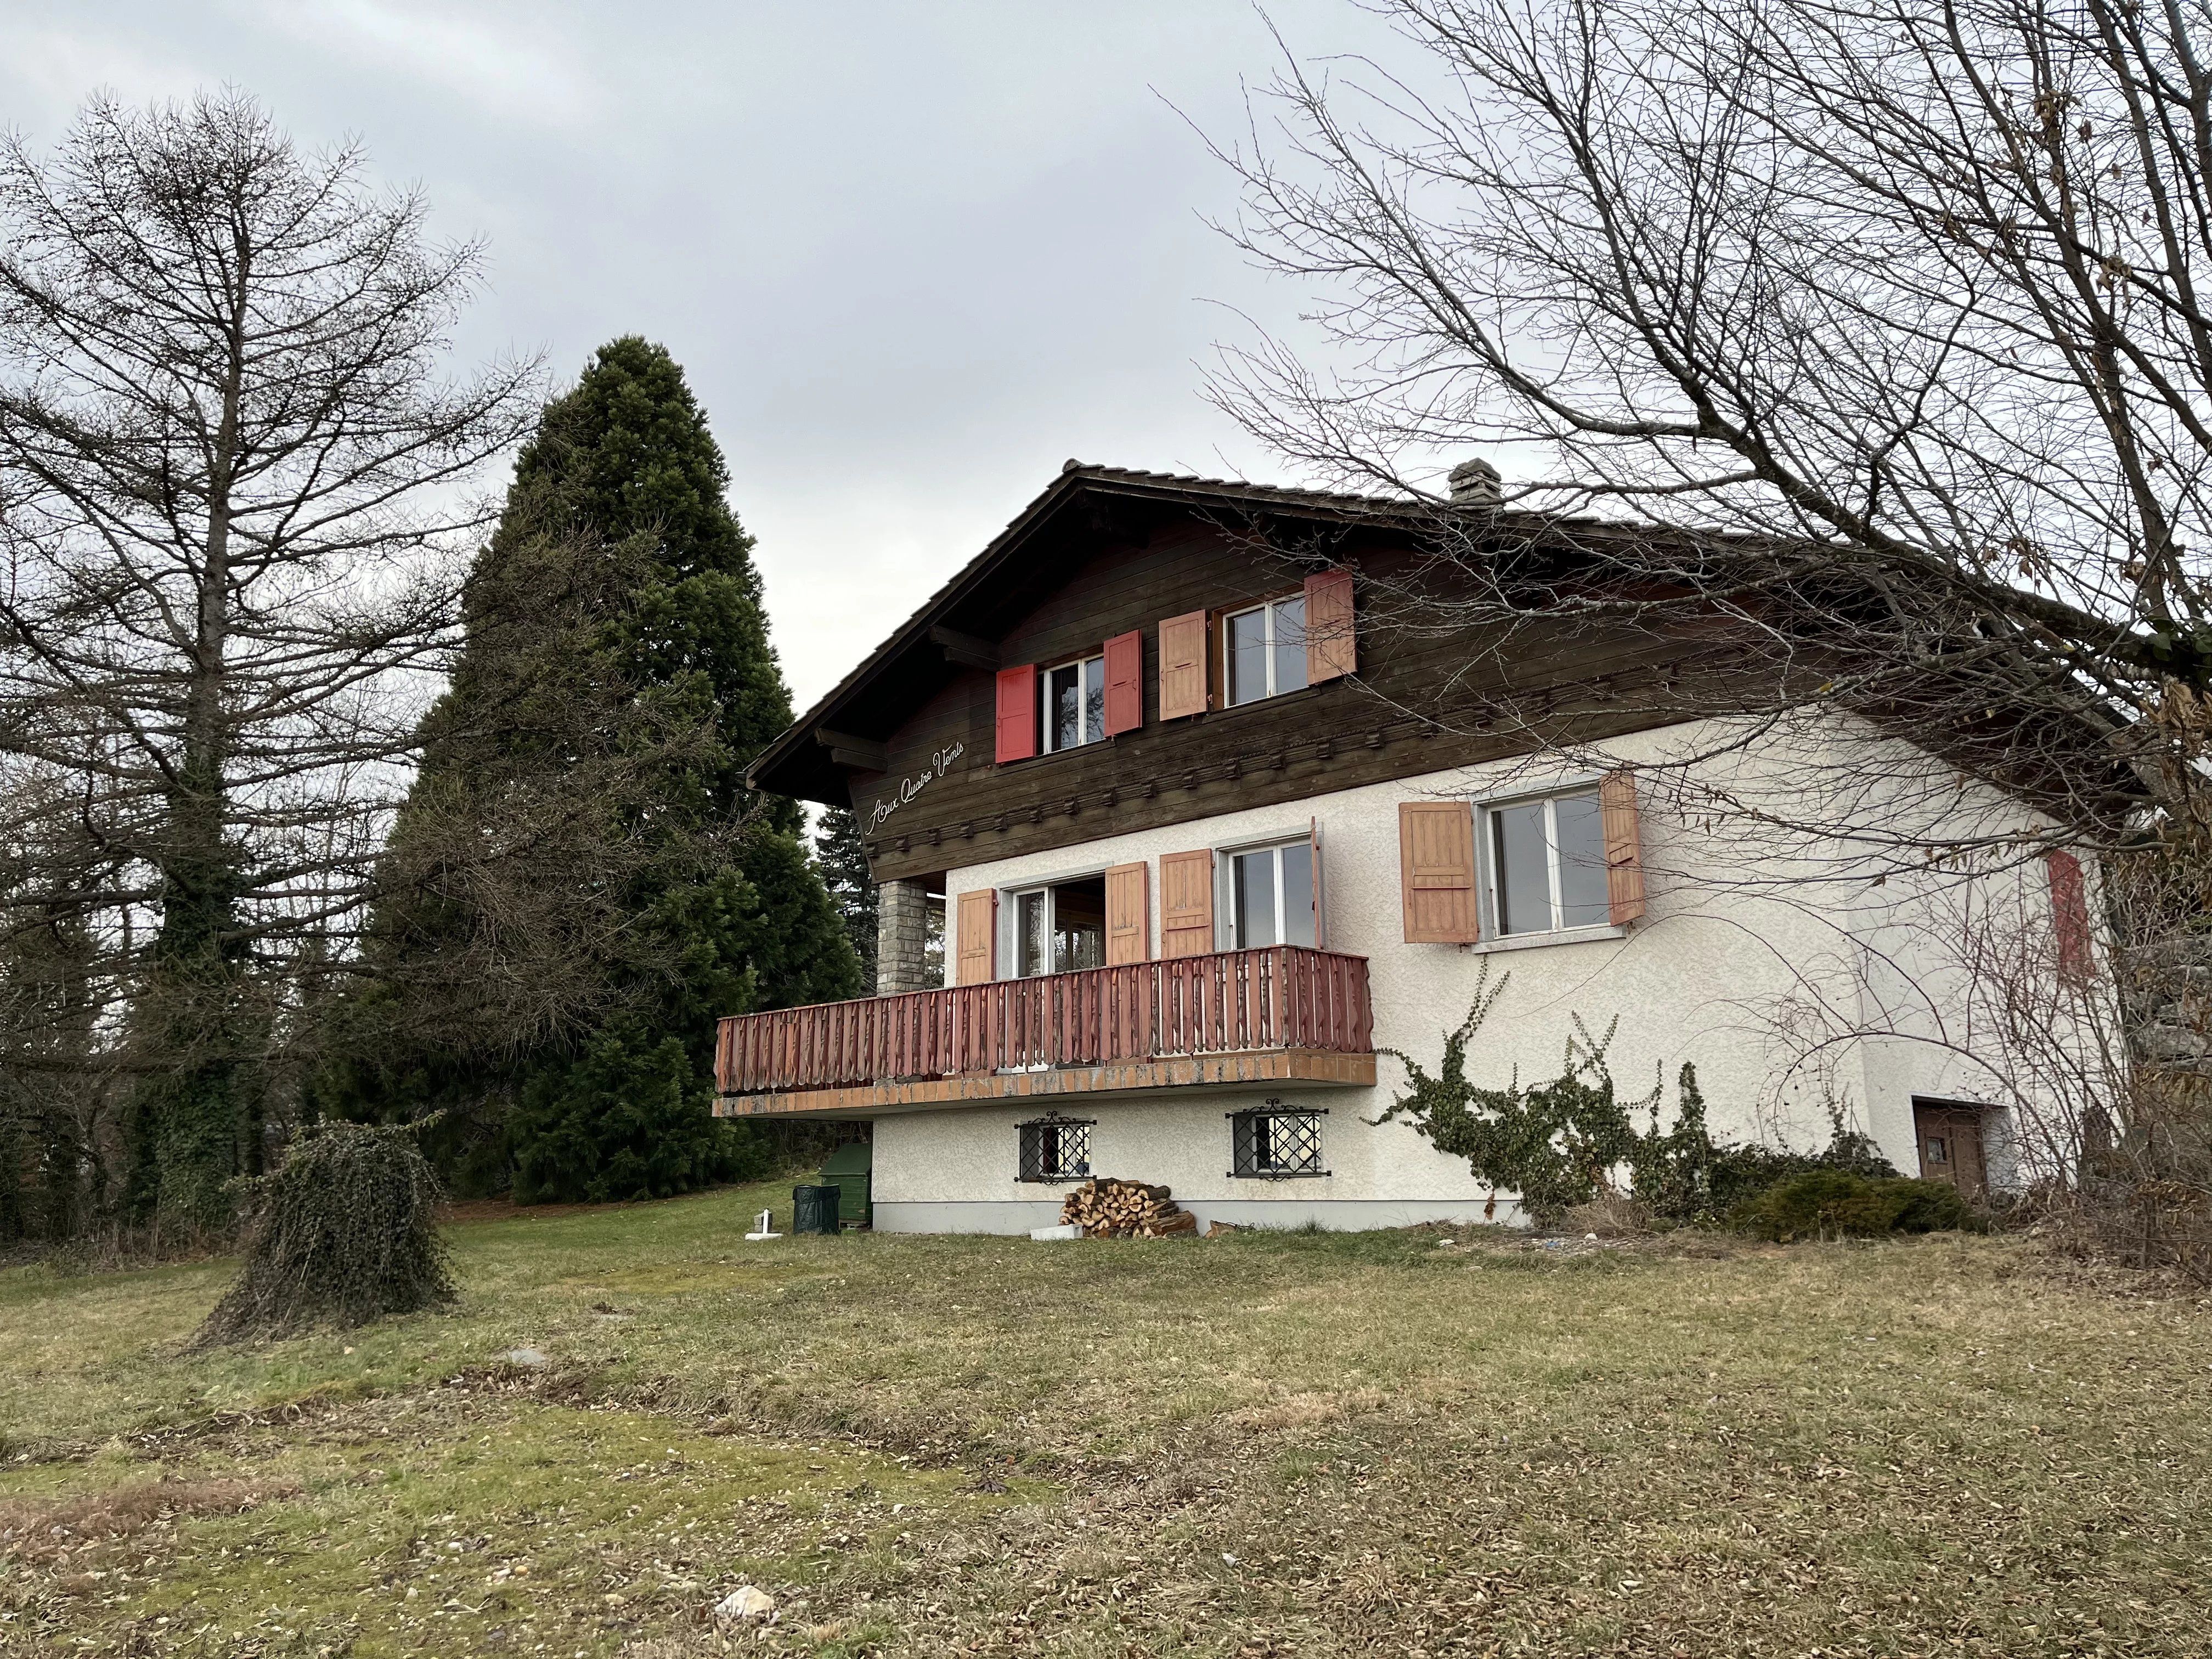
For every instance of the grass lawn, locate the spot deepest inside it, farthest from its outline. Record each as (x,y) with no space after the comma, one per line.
(1261,1445)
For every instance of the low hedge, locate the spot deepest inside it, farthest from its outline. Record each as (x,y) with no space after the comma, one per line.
(1835,1204)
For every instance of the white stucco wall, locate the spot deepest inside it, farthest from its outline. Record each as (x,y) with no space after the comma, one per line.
(1747,926)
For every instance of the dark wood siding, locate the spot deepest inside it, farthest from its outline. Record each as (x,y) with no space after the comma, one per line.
(1338,735)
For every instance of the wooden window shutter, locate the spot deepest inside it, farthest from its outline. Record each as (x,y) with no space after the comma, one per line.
(1435,872)
(1125,682)
(1183,668)
(1332,644)
(1321,910)
(977,963)
(1623,848)
(1185,903)
(2069,912)
(1129,913)
(1018,712)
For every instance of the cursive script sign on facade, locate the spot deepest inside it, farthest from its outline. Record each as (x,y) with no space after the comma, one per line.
(939,763)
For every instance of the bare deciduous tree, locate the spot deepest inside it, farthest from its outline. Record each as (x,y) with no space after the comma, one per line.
(1888,322)
(1859,361)
(233,479)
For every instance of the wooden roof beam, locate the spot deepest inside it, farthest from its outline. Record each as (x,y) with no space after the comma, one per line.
(862,754)
(965,649)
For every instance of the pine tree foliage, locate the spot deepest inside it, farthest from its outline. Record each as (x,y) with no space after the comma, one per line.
(844,864)
(582,884)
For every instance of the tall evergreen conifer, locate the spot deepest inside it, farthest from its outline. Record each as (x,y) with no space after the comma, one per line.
(582,884)
(844,863)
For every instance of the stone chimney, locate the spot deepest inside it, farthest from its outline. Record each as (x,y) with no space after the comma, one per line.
(1476,483)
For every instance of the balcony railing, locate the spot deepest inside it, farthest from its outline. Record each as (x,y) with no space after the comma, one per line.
(1228,1002)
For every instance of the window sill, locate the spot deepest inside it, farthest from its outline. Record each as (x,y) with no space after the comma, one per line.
(1558,936)
(1275,701)
(1283,1175)
(1050,1180)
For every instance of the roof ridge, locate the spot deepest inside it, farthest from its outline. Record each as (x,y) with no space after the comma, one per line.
(1292,492)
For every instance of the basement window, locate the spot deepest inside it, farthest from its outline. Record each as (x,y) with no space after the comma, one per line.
(1265,650)
(1074,704)
(1275,1142)
(1057,1149)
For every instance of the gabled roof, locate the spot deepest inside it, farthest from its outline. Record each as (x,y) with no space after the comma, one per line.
(909,663)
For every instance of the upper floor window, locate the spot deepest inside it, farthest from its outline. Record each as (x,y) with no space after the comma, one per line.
(1546,861)
(1265,649)
(1061,928)
(1074,704)
(1271,896)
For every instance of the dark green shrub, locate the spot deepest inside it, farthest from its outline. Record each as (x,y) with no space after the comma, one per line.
(344,1232)
(1837,1204)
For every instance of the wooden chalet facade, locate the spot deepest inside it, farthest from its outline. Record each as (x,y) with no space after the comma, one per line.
(1200,846)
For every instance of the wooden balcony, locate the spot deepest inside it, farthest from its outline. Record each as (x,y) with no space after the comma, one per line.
(1278,1014)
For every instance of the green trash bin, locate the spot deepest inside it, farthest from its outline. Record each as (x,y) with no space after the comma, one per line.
(850,1169)
(814,1210)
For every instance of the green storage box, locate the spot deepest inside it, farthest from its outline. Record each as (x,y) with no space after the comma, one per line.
(849,1170)
(814,1210)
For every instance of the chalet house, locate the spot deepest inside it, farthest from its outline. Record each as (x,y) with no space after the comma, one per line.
(1198,867)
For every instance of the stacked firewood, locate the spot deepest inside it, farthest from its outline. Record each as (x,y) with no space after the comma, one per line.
(1105,1208)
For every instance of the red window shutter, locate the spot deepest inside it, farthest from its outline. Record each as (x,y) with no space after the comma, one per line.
(1182,665)
(1125,682)
(1185,903)
(1018,712)
(1623,848)
(1435,872)
(1332,644)
(2069,913)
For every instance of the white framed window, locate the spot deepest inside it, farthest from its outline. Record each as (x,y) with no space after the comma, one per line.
(1270,896)
(1059,928)
(1543,864)
(1074,697)
(1264,650)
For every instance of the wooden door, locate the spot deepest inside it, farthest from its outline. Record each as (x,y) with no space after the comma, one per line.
(1950,1139)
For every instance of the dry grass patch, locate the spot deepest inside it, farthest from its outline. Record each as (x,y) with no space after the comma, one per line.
(43,1533)
(1263,1444)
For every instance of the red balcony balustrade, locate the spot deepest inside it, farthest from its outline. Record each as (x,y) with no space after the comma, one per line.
(1279,997)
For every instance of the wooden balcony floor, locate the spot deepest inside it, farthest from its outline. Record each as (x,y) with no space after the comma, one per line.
(1310,1065)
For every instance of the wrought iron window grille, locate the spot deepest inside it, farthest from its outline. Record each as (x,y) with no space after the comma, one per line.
(1276,1142)
(1055,1148)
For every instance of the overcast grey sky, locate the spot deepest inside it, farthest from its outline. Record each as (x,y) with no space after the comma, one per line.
(913,256)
